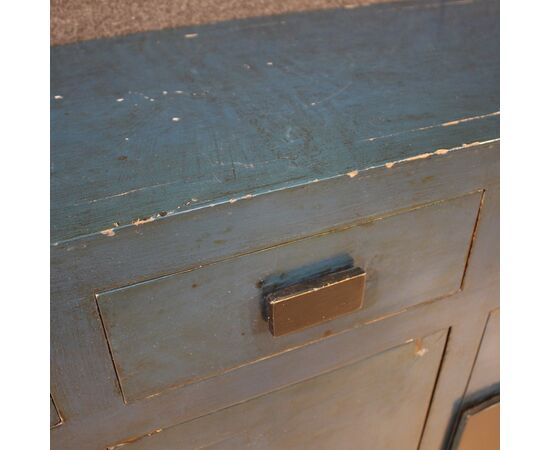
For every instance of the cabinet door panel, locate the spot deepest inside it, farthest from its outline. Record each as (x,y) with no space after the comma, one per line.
(378,402)
(485,379)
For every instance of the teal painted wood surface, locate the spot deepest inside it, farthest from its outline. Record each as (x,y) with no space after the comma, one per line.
(187,327)
(92,404)
(338,97)
(385,399)
(155,124)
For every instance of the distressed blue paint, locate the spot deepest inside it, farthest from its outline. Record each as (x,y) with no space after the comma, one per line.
(264,103)
(305,273)
(178,329)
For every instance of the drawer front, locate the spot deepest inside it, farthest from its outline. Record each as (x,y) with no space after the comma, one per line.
(189,326)
(380,403)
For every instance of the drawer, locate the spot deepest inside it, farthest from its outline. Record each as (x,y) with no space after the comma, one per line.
(358,406)
(185,327)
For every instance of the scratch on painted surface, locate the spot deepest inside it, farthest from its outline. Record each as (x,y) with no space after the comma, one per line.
(131,191)
(351,174)
(244,197)
(441,151)
(132,440)
(193,200)
(469,119)
(338,92)
(241,164)
(429,127)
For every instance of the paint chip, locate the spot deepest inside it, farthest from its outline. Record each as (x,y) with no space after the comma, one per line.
(191,35)
(142,221)
(389,165)
(175,119)
(421,156)
(119,100)
(58,97)
(421,351)
(353,173)
(108,232)
(450,124)
(269,63)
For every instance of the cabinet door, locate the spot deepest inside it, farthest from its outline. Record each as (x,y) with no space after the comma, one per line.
(378,403)
(485,379)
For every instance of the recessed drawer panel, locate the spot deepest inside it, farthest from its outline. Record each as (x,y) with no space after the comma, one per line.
(375,403)
(189,326)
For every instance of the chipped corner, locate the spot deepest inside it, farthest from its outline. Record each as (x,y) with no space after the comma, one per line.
(244,197)
(108,232)
(419,349)
(438,152)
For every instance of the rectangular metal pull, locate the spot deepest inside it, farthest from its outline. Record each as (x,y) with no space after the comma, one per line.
(306,304)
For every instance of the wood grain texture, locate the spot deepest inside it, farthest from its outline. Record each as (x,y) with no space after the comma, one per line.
(357,406)
(91,427)
(287,128)
(156,124)
(84,383)
(190,326)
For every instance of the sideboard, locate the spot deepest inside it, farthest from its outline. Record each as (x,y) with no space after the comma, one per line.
(215,189)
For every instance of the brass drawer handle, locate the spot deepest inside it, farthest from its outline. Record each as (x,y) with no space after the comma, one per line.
(303,305)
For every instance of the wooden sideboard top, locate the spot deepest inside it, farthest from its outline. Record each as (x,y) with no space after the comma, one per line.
(160,123)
